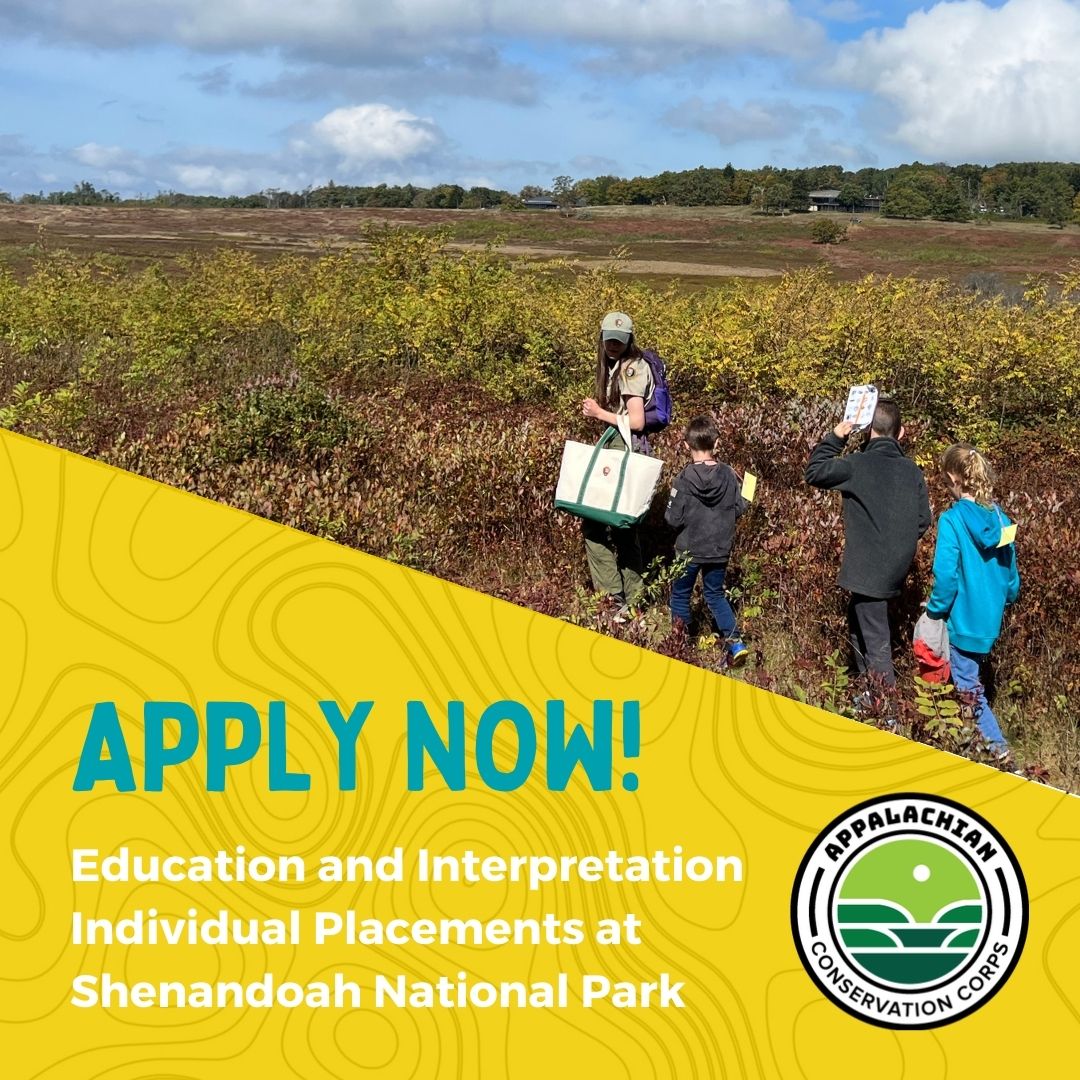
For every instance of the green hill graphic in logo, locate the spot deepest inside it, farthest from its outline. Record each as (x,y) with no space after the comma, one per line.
(909,911)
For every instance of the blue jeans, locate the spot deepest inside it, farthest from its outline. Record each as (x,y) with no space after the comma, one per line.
(966,676)
(712,583)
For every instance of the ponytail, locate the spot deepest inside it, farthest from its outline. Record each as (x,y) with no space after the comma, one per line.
(976,476)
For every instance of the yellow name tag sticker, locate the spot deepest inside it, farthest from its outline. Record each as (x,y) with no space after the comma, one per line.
(1008,535)
(749,487)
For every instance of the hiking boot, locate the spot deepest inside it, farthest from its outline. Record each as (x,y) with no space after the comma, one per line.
(738,654)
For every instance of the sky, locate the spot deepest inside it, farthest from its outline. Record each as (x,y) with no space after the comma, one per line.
(235,96)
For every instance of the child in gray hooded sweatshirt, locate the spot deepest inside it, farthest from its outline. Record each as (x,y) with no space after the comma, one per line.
(706,501)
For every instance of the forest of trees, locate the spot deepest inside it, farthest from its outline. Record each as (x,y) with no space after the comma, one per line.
(1049,191)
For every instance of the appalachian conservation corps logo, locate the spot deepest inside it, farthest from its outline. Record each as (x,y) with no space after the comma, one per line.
(909,911)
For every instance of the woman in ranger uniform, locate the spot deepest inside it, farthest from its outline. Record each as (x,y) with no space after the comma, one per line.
(624,386)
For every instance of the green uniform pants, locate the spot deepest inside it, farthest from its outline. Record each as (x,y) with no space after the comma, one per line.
(615,562)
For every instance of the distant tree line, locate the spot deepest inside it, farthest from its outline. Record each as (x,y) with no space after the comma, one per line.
(82,194)
(1049,191)
(441,197)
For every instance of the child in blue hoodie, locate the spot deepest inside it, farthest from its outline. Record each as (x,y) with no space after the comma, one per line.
(975,577)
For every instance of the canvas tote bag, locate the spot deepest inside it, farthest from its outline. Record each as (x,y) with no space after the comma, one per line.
(615,487)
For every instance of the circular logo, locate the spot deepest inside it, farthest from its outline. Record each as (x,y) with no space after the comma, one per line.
(909,911)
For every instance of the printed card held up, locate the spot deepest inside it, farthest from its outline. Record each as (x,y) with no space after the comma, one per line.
(861,403)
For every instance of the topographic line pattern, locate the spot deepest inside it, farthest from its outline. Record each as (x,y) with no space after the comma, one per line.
(116,588)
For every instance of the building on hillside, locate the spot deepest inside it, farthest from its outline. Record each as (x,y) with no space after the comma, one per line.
(827,199)
(542,202)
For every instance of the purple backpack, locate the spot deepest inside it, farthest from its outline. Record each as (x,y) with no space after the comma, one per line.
(658,410)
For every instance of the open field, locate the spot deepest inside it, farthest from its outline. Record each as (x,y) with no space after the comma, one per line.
(414,403)
(696,245)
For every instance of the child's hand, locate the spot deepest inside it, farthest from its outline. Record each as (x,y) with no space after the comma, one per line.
(591,408)
(843,429)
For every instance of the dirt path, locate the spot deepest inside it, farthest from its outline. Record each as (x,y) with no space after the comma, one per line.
(626,266)
(153,233)
(696,244)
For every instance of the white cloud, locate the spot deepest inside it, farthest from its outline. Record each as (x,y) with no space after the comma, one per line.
(479,72)
(966,81)
(357,144)
(97,156)
(200,177)
(748,122)
(821,148)
(362,134)
(12,145)
(343,29)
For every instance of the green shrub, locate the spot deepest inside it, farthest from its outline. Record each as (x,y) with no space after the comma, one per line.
(282,417)
(827,230)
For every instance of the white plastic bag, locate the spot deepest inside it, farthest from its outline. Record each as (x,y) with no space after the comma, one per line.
(931,644)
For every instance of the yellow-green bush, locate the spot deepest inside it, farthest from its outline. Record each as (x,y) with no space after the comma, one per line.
(967,366)
(414,402)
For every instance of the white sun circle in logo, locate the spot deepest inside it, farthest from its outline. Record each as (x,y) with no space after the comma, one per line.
(909,911)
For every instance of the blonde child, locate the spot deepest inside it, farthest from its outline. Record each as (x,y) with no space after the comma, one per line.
(975,577)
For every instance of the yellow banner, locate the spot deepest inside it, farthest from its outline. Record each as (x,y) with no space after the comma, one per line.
(275,807)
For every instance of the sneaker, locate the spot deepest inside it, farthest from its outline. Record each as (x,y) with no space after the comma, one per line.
(738,654)
(623,615)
